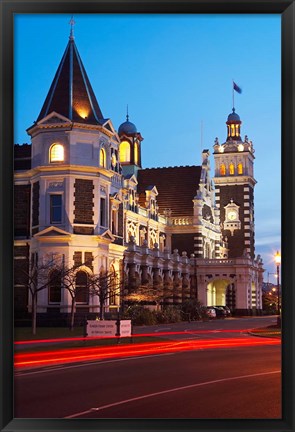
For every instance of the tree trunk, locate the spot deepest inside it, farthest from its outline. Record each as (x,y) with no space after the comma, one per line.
(72,313)
(34,313)
(101,310)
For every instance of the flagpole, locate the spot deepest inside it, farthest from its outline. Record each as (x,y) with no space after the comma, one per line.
(233,95)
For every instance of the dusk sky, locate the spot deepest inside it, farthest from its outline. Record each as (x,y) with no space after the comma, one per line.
(175,73)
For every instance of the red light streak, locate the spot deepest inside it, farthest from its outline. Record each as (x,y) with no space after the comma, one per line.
(155,334)
(130,350)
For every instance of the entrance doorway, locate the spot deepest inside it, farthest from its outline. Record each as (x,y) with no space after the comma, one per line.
(221,292)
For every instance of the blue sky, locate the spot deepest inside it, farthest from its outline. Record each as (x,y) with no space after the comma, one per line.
(175,73)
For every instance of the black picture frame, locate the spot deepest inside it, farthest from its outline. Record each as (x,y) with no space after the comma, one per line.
(10,7)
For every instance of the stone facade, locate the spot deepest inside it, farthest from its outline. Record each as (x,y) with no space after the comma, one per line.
(88,205)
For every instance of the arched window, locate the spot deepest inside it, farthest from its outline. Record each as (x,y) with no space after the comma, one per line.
(82,292)
(222,169)
(125,151)
(54,293)
(56,153)
(102,158)
(237,130)
(136,153)
(240,168)
(231,169)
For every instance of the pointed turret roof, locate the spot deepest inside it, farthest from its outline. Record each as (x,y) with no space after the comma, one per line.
(70,93)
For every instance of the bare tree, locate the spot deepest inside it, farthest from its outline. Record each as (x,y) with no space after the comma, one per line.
(75,280)
(34,276)
(105,286)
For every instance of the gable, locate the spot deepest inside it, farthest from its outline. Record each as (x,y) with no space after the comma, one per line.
(131,180)
(108,125)
(52,232)
(107,236)
(53,118)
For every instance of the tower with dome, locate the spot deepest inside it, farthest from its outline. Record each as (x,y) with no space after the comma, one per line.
(88,204)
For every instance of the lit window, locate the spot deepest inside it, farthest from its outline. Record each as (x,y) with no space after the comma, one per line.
(232,130)
(56,153)
(240,168)
(231,169)
(102,158)
(136,153)
(55,209)
(222,169)
(237,130)
(125,151)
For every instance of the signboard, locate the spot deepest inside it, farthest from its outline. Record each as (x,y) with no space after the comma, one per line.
(125,328)
(109,328)
(101,328)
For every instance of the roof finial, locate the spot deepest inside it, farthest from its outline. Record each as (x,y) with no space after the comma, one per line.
(72,23)
(127,115)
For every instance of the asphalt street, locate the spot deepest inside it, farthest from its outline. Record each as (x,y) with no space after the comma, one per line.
(230,382)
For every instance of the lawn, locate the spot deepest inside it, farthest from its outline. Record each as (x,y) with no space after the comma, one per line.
(25,334)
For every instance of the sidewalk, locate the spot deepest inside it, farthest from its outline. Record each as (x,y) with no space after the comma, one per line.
(267,332)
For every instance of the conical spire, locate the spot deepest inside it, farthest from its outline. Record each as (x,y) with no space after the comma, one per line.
(71,94)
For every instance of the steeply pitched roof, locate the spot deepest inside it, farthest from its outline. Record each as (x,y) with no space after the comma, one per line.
(71,93)
(177,187)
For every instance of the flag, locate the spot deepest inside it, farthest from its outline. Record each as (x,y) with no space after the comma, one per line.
(237,88)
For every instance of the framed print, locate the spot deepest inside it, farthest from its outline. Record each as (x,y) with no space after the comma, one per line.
(147,215)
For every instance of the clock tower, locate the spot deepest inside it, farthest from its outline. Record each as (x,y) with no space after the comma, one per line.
(234,186)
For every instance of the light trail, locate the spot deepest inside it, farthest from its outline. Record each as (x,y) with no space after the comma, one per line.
(73,355)
(155,334)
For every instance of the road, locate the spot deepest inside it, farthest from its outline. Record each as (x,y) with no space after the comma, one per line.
(224,382)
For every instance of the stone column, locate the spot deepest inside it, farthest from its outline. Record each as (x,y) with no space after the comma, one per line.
(202,289)
(168,288)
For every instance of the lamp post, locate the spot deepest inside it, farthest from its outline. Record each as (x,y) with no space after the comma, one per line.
(278,263)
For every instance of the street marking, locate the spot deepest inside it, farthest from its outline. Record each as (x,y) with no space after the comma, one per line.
(168,391)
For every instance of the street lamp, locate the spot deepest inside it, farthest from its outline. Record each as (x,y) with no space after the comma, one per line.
(278,263)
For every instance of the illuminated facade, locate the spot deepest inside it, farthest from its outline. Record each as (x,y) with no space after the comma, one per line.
(83,199)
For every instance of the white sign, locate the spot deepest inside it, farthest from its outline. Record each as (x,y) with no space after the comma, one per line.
(101,328)
(125,328)
(108,328)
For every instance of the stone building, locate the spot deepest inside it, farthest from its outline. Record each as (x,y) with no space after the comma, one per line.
(83,201)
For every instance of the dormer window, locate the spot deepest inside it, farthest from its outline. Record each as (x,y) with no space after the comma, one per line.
(124,151)
(56,153)
(102,158)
